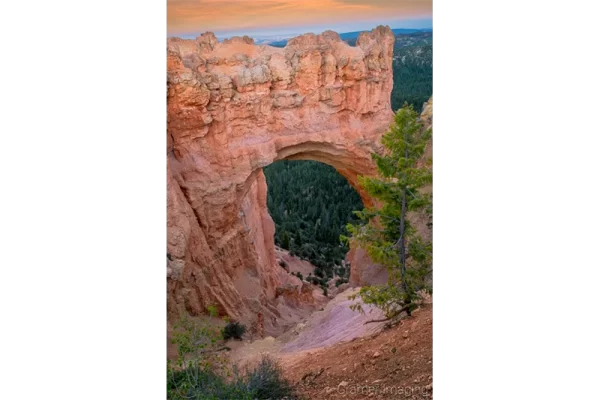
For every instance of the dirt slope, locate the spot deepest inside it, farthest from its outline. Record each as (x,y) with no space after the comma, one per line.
(334,355)
(393,364)
(294,264)
(335,323)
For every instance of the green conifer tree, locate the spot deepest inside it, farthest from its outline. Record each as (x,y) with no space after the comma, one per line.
(285,241)
(386,233)
(297,239)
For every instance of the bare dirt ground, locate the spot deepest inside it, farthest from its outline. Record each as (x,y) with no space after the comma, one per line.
(294,263)
(333,323)
(336,323)
(334,355)
(393,364)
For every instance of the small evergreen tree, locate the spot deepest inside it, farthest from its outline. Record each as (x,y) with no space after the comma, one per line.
(233,330)
(285,241)
(386,232)
(297,240)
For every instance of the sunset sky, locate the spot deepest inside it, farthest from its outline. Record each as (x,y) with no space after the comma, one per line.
(279,17)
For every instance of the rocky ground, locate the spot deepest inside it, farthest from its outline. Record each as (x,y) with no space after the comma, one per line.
(333,324)
(335,355)
(293,264)
(393,364)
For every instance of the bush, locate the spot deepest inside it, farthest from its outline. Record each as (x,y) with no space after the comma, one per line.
(340,281)
(265,381)
(200,373)
(202,383)
(324,290)
(282,264)
(314,280)
(234,330)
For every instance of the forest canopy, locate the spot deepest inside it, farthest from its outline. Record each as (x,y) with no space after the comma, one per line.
(311,203)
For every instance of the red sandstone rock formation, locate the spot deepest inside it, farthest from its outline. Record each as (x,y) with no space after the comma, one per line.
(234,108)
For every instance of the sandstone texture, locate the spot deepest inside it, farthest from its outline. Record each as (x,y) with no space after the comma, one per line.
(235,107)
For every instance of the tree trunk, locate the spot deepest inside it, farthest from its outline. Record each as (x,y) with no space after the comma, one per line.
(405,308)
(403,243)
(402,217)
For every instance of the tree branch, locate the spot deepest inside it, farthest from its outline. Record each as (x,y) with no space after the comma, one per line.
(405,308)
(215,350)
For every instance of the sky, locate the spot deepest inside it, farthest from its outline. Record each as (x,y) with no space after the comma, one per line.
(189,18)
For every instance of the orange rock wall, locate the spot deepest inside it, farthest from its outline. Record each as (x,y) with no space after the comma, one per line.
(234,108)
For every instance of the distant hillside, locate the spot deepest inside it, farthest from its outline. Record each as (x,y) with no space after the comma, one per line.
(351,37)
(413,39)
(413,69)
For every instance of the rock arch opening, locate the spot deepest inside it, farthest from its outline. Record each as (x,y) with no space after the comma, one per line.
(310,204)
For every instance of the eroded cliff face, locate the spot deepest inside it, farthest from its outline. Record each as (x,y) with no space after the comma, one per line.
(235,107)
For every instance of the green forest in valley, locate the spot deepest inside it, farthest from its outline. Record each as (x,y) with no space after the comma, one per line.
(413,70)
(310,202)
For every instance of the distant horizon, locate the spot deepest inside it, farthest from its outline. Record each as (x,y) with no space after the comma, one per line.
(420,24)
(226,18)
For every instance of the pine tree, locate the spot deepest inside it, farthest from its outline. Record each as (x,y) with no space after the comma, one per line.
(297,239)
(285,241)
(386,232)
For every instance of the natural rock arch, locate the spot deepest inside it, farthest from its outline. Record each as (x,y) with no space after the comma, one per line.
(234,108)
